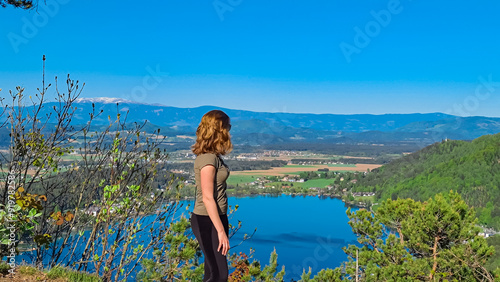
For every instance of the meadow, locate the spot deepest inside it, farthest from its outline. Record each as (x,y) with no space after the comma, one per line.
(242,178)
(295,169)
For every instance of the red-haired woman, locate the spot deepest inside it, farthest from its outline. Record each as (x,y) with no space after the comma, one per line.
(209,218)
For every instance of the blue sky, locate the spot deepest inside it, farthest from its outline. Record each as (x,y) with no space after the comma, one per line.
(338,57)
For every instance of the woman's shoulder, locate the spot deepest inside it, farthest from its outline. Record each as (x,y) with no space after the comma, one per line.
(206,158)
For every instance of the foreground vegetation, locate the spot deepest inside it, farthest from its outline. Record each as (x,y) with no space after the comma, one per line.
(90,215)
(57,273)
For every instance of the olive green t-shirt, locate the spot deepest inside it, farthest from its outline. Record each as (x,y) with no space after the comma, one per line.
(220,186)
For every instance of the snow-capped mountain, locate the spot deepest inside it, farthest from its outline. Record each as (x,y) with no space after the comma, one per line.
(112,100)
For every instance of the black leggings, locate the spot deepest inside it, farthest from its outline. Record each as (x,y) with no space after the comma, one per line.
(204,230)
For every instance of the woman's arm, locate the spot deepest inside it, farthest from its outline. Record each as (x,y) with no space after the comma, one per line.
(207,176)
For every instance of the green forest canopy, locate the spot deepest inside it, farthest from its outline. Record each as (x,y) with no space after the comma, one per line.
(470,168)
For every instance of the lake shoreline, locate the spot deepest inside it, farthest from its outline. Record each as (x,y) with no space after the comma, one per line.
(347,203)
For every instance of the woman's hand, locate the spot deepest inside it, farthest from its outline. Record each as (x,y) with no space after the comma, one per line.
(223,243)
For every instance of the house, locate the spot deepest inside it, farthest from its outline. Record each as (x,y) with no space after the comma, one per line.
(363,194)
(93,210)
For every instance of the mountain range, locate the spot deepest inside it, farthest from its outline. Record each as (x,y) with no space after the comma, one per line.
(255,128)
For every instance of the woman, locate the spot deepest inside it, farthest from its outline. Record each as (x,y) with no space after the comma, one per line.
(209,218)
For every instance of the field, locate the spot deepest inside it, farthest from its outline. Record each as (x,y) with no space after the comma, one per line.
(313,157)
(293,169)
(321,183)
(321,172)
(240,179)
(341,165)
(247,176)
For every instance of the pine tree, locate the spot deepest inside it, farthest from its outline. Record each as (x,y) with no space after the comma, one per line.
(407,240)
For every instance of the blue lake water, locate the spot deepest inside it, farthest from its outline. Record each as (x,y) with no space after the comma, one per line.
(306,231)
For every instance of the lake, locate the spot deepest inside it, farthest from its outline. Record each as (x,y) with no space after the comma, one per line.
(307,231)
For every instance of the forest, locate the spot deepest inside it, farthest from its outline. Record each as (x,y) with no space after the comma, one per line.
(470,168)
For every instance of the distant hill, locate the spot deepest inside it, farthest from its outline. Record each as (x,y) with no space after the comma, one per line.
(470,168)
(258,128)
(247,120)
(456,127)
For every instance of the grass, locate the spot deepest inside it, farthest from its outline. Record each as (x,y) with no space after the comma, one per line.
(321,183)
(295,172)
(241,179)
(393,155)
(57,273)
(245,179)
(4,268)
(71,275)
(341,165)
(299,172)
(299,166)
